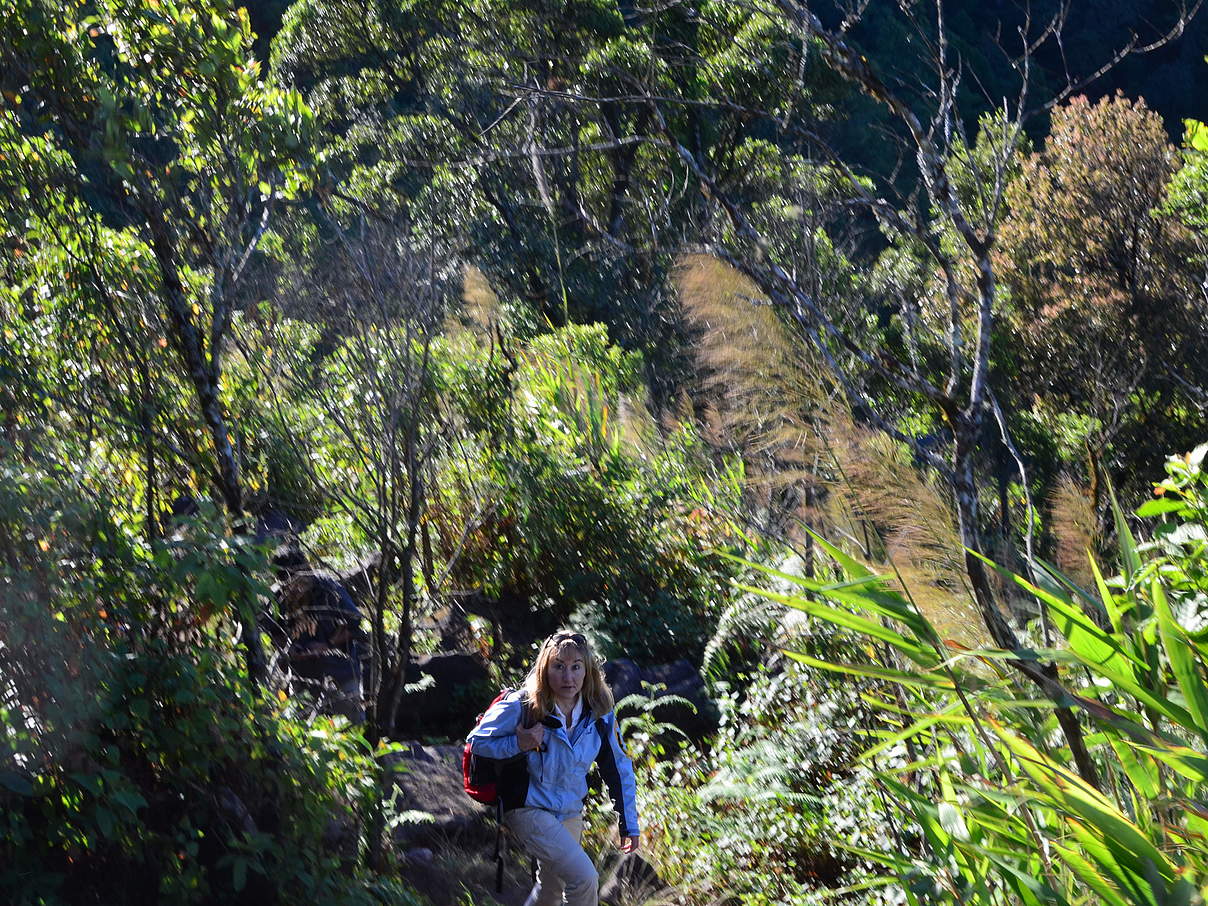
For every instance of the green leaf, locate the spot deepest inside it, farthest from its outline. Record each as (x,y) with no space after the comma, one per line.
(1183,662)
(918,653)
(1101,651)
(1089,874)
(923,723)
(1114,612)
(105,821)
(1141,770)
(1195,134)
(1044,568)
(866,591)
(850,565)
(952,822)
(913,680)
(129,799)
(1083,805)
(90,782)
(1083,635)
(1187,762)
(1159,506)
(1124,537)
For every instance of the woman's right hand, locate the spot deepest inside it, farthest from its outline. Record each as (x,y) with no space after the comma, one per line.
(530,738)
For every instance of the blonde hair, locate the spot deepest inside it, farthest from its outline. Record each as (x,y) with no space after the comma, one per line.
(537,691)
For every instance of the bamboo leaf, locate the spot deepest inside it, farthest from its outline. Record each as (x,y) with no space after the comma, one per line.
(916,728)
(1027,886)
(1187,762)
(1129,555)
(951,820)
(850,565)
(1099,650)
(1073,795)
(1059,578)
(1114,613)
(1092,644)
(1141,770)
(914,680)
(867,591)
(1082,867)
(923,656)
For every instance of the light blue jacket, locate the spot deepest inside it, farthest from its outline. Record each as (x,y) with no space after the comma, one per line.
(557,775)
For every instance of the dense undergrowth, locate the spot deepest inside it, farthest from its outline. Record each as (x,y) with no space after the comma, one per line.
(139,765)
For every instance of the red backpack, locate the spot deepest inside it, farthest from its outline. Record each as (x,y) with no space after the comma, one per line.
(480,774)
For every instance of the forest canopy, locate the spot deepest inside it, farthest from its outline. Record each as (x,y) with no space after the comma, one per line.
(839,370)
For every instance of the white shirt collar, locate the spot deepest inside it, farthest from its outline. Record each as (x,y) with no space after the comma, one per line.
(575,713)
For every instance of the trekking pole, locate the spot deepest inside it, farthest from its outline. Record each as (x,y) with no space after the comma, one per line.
(499,846)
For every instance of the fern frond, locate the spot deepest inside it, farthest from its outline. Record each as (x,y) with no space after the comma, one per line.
(746,618)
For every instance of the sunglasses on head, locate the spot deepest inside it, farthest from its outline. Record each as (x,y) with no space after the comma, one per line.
(559,637)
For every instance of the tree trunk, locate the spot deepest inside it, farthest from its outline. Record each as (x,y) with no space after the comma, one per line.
(414,508)
(1043,675)
(205,380)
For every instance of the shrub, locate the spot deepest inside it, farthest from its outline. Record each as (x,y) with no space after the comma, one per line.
(764,816)
(137,764)
(1004,811)
(595,516)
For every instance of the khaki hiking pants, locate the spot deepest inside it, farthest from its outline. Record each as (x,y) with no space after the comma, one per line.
(562,866)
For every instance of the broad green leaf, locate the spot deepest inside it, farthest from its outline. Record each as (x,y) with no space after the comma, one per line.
(1183,662)
(1195,134)
(1159,506)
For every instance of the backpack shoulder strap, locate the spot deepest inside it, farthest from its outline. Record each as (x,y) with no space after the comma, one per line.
(602,729)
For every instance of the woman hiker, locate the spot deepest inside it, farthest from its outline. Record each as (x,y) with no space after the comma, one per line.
(563,719)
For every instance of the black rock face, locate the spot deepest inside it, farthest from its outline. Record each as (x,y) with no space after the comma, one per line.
(680,679)
(459,690)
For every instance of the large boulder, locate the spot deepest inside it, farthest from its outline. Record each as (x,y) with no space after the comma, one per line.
(680,679)
(428,780)
(457,689)
(623,676)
